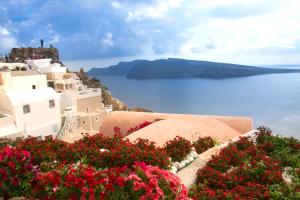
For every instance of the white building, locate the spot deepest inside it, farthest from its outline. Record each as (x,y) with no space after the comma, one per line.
(46,100)
(27,105)
(86,103)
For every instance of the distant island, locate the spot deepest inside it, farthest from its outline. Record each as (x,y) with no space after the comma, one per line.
(182,68)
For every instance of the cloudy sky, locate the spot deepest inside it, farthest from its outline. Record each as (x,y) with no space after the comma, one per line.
(96,33)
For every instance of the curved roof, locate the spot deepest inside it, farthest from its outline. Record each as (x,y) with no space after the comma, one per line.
(170,125)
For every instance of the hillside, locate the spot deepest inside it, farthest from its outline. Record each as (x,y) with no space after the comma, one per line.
(122,69)
(181,68)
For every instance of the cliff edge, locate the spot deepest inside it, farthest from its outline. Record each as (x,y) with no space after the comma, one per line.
(107,97)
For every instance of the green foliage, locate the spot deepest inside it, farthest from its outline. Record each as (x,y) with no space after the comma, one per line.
(178,148)
(286,150)
(204,143)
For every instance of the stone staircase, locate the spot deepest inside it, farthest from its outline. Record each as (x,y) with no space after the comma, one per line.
(69,123)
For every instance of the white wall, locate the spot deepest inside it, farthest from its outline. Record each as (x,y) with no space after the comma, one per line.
(39,63)
(5,103)
(21,83)
(54,69)
(41,119)
(68,98)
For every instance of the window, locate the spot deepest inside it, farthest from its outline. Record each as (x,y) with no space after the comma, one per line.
(97,119)
(83,122)
(26,109)
(87,109)
(51,103)
(51,84)
(33,87)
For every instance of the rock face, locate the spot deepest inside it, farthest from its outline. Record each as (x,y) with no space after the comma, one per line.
(22,54)
(107,97)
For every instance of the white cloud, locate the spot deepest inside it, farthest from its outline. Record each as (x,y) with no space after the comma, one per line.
(208,29)
(244,35)
(107,41)
(4,31)
(55,39)
(156,11)
(7,41)
(115,4)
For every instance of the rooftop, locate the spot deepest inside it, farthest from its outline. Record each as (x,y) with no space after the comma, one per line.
(24,73)
(222,128)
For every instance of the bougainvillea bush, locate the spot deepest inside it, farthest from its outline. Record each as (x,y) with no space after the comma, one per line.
(99,167)
(203,143)
(16,172)
(178,148)
(81,182)
(138,127)
(26,161)
(251,169)
(49,152)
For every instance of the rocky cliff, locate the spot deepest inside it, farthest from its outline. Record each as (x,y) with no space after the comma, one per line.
(107,97)
(22,54)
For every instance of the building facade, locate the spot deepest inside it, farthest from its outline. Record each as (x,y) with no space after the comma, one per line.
(86,103)
(27,105)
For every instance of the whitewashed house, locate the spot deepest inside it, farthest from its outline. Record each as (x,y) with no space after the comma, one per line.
(27,105)
(86,103)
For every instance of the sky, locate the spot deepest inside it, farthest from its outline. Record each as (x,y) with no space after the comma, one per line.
(98,33)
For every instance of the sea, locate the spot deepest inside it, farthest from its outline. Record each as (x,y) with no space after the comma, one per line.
(271,100)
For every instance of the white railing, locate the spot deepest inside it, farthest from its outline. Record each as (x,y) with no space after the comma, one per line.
(71,123)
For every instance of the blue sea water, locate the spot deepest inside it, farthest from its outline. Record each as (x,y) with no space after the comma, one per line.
(271,100)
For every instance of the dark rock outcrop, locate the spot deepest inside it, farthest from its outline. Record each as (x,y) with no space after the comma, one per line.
(22,54)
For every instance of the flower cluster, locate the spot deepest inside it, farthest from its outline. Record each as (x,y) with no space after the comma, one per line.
(138,127)
(144,124)
(16,171)
(178,148)
(46,150)
(249,169)
(203,143)
(139,182)
(56,175)
(49,153)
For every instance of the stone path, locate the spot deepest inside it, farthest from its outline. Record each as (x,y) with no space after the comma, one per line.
(188,175)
